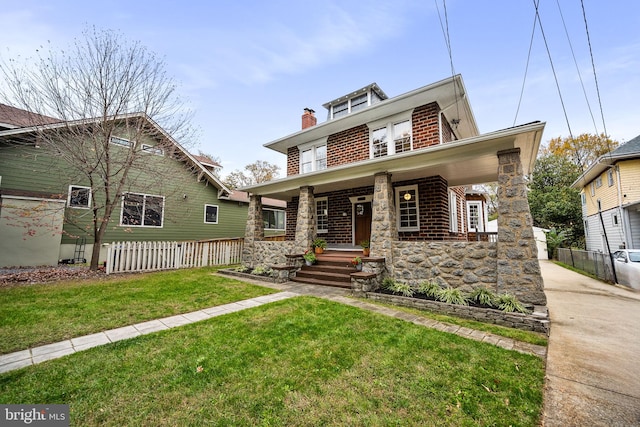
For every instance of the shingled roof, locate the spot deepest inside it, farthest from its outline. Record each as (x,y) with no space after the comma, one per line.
(12,118)
(630,147)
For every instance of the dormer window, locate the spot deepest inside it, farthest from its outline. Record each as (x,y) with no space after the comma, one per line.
(356,101)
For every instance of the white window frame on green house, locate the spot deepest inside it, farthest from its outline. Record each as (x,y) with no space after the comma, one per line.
(121,142)
(207,216)
(390,136)
(322,215)
(72,199)
(453,212)
(152,149)
(279,217)
(407,209)
(313,156)
(146,198)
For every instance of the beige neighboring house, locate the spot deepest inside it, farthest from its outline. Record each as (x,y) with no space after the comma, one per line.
(610,193)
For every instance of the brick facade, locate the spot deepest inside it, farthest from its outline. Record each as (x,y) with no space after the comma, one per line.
(351,145)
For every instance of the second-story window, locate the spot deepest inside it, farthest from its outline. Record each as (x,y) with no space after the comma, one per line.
(391,138)
(313,157)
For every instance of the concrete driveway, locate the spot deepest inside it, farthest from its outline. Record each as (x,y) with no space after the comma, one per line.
(593,358)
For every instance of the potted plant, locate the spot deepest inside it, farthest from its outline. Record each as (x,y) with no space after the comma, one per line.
(365,247)
(319,245)
(357,263)
(309,257)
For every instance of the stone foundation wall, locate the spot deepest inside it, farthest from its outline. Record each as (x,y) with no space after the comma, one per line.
(268,253)
(464,265)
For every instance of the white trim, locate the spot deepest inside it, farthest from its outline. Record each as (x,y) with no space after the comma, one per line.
(480,228)
(40,199)
(143,210)
(217,213)
(88,206)
(313,147)
(315,209)
(417,207)
(453,211)
(121,142)
(152,149)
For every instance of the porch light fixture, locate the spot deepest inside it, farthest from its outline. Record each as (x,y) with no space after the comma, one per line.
(407,196)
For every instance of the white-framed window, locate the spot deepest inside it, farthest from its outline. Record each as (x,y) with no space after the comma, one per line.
(152,149)
(391,136)
(610,177)
(79,197)
(322,215)
(210,214)
(453,212)
(142,210)
(407,210)
(121,141)
(614,219)
(583,197)
(586,228)
(599,182)
(313,157)
(475,220)
(593,189)
(599,205)
(274,219)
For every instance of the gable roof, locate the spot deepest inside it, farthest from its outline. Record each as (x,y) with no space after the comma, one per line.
(628,150)
(204,172)
(12,117)
(449,93)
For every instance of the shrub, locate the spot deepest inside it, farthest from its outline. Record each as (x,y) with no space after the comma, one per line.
(388,283)
(404,289)
(483,296)
(452,296)
(510,304)
(261,271)
(430,289)
(242,269)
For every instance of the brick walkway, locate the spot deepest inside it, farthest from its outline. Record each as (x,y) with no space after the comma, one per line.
(32,356)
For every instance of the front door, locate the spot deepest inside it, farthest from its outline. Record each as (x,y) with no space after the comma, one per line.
(362,221)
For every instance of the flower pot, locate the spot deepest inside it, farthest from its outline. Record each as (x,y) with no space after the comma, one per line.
(359,267)
(365,251)
(318,250)
(309,263)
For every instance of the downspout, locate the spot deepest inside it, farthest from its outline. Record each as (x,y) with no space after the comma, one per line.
(623,220)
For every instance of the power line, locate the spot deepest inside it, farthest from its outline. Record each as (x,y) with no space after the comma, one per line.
(593,65)
(447,40)
(577,68)
(526,70)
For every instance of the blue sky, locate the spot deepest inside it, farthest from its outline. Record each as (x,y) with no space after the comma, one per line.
(248,68)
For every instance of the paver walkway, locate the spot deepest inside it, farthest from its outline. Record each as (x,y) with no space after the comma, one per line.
(20,359)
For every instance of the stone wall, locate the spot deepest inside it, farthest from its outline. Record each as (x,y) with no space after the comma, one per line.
(269,253)
(464,265)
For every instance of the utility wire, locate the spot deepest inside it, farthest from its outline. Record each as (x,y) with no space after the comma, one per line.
(447,39)
(526,70)
(584,15)
(577,68)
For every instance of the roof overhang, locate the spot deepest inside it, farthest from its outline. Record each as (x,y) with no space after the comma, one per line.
(599,166)
(463,162)
(445,92)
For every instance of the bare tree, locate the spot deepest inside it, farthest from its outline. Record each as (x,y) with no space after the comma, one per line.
(105,89)
(257,172)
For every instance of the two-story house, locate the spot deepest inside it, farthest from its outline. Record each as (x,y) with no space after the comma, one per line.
(46,207)
(395,171)
(611,199)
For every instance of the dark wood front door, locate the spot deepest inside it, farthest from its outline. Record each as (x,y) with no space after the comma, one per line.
(362,215)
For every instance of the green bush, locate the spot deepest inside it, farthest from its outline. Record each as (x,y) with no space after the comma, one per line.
(452,296)
(483,296)
(510,304)
(430,289)
(404,289)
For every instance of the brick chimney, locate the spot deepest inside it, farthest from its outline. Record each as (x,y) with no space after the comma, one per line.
(308,118)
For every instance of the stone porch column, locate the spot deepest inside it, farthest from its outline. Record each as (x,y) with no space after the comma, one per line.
(305,221)
(254,230)
(384,229)
(518,270)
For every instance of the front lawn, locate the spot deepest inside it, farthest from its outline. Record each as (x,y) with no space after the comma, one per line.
(32,315)
(301,361)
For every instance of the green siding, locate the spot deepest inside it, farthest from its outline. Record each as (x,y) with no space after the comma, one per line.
(29,168)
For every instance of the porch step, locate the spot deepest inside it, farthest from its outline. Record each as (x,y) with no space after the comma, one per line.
(332,269)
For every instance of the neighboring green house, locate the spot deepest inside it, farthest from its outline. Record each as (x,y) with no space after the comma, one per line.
(46,209)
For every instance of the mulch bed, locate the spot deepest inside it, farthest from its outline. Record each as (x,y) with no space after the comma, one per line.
(30,276)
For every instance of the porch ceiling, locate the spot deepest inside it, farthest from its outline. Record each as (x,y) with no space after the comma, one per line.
(464,162)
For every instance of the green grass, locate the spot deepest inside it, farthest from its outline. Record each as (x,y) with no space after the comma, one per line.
(39,314)
(302,361)
(503,331)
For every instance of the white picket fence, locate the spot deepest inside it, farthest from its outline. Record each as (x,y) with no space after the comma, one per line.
(150,256)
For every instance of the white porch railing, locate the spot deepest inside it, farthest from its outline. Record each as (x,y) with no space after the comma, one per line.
(150,256)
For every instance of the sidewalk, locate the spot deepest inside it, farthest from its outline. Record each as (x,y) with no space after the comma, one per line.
(32,356)
(593,362)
